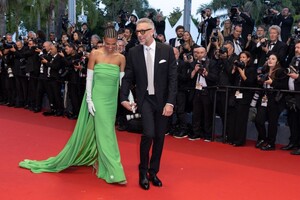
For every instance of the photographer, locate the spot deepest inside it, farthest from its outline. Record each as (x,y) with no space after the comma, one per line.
(132,24)
(8,61)
(225,59)
(254,45)
(285,21)
(20,74)
(274,45)
(160,24)
(270,103)
(85,34)
(244,76)
(206,26)
(293,103)
(35,56)
(129,40)
(52,67)
(236,39)
(72,62)
(242,18)
(216,40)
(204,75)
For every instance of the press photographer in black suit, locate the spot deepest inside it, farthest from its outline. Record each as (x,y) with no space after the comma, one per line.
(285,21)
(73,68)
(244,76)
(274,45)
(236,39)
(52,67)
(20,74)
(225,59)
(206,26)
(204,75)
(293,103)
(32,71)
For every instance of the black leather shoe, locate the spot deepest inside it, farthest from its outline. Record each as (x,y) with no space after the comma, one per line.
(155,180)
(296,152)
(268,147)
(289,147)
(49,113)
(144,182)
(259,143)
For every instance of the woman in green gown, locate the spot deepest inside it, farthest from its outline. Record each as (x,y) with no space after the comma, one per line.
(94,141)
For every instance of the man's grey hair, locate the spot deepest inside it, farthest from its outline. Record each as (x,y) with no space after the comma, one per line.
(147,21)
(276,28)
(96,37)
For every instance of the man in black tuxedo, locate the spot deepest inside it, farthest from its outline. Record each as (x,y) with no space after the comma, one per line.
(207,26)
(176,42)
(274,45)
(151,66)
(285,21)
(236,39)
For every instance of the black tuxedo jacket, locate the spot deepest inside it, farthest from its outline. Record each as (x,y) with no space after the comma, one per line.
(241,41)
(172,41)
(165,75)
(280,49)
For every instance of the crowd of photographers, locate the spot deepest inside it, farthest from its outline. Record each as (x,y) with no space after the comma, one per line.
(256,64)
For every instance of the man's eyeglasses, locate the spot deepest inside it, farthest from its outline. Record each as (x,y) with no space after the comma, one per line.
(142,31)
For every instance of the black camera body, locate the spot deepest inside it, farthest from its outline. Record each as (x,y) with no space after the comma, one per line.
(264,44)
(201,64)
(214,39)
(254,37)
(223,50)
(189,55)
(263,78)
(240,64)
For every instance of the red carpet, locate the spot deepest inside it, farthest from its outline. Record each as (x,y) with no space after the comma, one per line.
(190,170)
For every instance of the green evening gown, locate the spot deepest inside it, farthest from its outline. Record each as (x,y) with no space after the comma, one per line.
(93,141)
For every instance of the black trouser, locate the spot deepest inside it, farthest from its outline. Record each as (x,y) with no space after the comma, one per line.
(180,108)
(76,92)
(202,114)
(42,88)
(54,95)
(22,90)
(11,90)
(239,123)
(154,128)
(33,86)
(294,124)
(220,107)
(271,114)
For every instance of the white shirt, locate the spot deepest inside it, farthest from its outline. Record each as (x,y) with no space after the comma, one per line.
(152,52)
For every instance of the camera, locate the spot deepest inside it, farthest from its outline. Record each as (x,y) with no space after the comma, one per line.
(262,78)
(264,44)
(9,45)
(203,12)
(291,69)
(201,64)
(254,37)
(214,39)
(189,56)
(223,50)
(239,64)
(233,9)
(134,116)
(10,72)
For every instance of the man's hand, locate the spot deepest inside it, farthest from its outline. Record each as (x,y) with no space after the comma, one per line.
(168,110)
(293,75)
(129,106)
